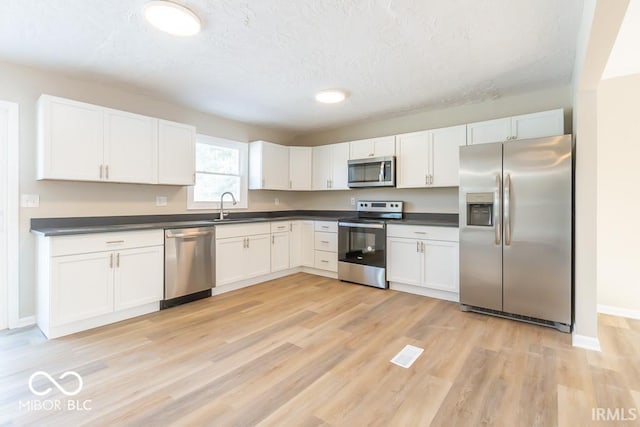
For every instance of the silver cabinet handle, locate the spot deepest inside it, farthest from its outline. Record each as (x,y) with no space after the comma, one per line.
(324,260)
(247,242)
(426,179)
(417,246)
(118,260)
(291,226)
(507,210)
(420,232)
(113,242)
(273,239)
(422,247)
(110,260)
(106,171)
(101,168)
(496,209)
(324,241)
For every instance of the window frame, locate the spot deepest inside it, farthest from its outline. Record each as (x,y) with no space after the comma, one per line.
(243,149)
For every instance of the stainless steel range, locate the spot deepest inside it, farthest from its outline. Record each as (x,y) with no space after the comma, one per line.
(362,243)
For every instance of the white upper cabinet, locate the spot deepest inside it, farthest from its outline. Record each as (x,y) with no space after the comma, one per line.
(538,125)
(373,147)
(429,158)
(322,170)
(300,165)
(413,159)
(84,142)
(489,131)
(70,140)
(330,167)
(534,125)
(445,155)
(339,166)
(176,153)
(268,166)
(130,147)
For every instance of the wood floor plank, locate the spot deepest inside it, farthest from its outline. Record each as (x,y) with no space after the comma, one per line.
(306,350)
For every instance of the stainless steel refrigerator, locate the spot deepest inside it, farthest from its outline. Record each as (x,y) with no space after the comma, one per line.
(516,230)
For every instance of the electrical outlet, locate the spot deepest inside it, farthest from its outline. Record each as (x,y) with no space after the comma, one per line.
(161,200)
(353,201)
(30,200)
(277,201)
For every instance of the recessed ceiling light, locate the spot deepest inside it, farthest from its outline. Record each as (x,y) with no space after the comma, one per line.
(331,96)
(172,18)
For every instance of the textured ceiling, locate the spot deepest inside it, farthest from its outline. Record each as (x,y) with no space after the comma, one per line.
(262,61)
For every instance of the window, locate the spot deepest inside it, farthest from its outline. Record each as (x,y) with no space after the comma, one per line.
(221,165)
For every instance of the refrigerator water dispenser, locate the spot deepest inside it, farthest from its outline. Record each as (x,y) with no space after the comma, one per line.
(480,209)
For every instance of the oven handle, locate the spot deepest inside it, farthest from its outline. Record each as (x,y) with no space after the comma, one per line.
(360,225)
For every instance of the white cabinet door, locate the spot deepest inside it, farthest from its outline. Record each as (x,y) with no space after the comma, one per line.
(300,166)
(445,161)
(81,286)
(275,167)
(339,166)
(231,260)
(295,244)
(404,261)
(280,251)
(139,277)
(412,159)
(70,140)
(440,265)
(374,147)
(308,241)
(258,259)
(538,125)
(176,153)
(322,167)
(489,131)
(130,149)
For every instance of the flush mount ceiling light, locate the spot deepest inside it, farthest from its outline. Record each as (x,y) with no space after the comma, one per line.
(331,96)
(172,18)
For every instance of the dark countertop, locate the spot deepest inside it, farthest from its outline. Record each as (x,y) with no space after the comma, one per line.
(89,225)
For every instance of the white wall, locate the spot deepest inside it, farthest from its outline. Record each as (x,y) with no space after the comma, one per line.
(618,203)
(24,85)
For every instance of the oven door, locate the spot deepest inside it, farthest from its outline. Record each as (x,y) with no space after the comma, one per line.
(362,243)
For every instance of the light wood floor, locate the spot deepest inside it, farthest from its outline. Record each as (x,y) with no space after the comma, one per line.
(310,351)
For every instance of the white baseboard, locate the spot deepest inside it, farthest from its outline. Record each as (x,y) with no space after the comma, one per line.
(23,322)
(583,341)
(425,292)
(619,311)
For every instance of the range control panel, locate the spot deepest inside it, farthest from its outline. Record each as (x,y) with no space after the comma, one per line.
(378,206)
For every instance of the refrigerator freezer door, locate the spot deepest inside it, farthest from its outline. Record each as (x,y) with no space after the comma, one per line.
(481,245)
(537,224)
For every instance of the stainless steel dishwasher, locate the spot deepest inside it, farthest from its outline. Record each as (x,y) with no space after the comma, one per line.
(189,264)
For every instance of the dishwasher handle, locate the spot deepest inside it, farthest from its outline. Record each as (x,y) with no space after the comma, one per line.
(188,235)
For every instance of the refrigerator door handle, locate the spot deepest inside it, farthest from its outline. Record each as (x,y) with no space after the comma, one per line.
(507,209)
(496,209)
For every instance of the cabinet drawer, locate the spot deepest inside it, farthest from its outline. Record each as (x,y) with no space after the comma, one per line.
(449,234)
(327,226)
(326,261)
(87,243)
(279,227)
(238,230)
(326,241)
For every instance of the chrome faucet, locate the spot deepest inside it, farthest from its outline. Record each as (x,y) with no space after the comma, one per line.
(222,214)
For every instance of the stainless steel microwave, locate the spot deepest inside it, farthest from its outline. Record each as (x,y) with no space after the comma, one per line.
(372,172)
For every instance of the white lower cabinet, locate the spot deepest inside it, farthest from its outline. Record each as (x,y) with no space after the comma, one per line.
(279,251)
(86,281)
(137,276)
(423,260)
(326,246)
(307,238)
(242,256)
(301,248)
